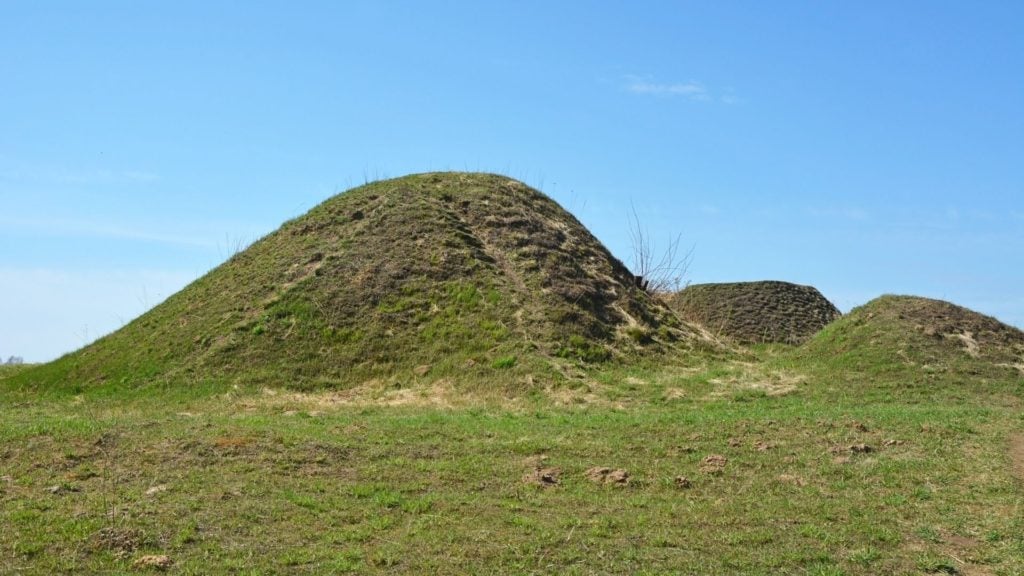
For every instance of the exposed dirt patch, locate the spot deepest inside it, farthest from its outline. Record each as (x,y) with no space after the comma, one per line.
(713,464)
(1017,456)
(601,475)
(121,541)
(754,312)
(544,477)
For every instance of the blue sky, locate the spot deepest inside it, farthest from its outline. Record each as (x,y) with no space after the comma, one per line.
(861,147)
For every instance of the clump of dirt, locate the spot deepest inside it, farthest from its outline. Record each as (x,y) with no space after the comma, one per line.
(713,464)
(417,277)
(602,475)
(121,541)
(544,477)
(756,312)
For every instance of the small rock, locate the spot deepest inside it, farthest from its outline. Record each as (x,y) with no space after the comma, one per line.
(683,482)
(158,561)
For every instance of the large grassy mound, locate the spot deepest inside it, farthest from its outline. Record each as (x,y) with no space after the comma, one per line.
(756,312)
(425,276)
(924,336)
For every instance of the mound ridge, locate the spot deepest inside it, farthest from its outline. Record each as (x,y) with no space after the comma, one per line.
(916,331)
(433,273)
(756,312)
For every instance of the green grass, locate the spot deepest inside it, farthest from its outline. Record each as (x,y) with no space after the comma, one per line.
(392,382)
(456,272)
(258,481)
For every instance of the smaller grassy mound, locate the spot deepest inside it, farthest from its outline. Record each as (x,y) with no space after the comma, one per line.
(928,336)
(756,312)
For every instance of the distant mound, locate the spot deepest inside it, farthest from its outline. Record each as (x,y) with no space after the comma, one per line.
(919,332)
(756,312)
(432,274)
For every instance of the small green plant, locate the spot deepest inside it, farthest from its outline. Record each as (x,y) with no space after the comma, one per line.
(504,362)
(578,347)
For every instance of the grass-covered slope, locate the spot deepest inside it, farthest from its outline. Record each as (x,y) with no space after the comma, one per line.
(923,338)
(743,468)
(428,275)
(756,312)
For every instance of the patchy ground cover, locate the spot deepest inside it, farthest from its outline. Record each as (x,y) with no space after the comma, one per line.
(670,470)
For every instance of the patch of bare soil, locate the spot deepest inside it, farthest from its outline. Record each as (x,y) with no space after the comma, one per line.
(713,464)
(1017,456)
(121,541)
(544,477)
(602,475)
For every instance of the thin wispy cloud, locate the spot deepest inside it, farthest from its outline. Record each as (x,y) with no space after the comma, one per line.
(839,212)
(60,175)
(689,90)
(79,228)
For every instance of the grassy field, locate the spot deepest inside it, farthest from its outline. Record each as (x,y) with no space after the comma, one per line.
(759,464)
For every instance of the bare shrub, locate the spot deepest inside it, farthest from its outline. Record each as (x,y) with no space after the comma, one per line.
(656,271)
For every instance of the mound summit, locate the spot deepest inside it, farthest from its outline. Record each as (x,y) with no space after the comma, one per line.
(916,331)
(435,273)
(756,312)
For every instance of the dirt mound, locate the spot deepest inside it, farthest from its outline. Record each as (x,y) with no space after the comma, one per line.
(756,312)
(459,272)
(919,331)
